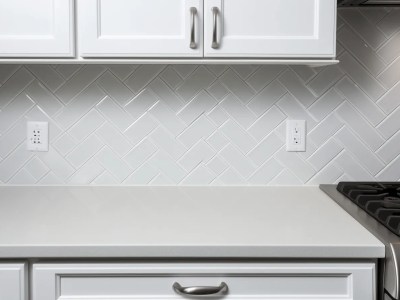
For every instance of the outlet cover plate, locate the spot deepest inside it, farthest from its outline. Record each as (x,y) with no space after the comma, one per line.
(38,136)
(296,135)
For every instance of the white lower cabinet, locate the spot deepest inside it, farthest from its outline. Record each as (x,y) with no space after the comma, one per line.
(272,281)
(13,281)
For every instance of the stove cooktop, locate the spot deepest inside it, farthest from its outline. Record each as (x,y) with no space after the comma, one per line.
(380,200)
(376,206)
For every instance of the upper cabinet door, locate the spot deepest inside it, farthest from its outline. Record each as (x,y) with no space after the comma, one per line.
(36,28)
(270,28)
(140,28)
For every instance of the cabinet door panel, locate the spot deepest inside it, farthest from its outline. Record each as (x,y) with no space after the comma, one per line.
(40,28)
(270,28)
(257,281)
(140,28)
(13,281)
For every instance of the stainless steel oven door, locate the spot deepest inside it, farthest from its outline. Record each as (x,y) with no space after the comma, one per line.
(387,297)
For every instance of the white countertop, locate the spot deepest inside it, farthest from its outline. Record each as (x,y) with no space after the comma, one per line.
(133,222)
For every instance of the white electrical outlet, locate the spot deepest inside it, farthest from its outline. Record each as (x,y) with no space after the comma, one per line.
(38,136)
(296,136)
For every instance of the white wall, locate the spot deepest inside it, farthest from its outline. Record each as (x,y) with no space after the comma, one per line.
(220,125)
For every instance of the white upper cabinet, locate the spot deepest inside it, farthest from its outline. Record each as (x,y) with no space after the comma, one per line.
(270,28)
(168,31)
(36,28)
(140,28)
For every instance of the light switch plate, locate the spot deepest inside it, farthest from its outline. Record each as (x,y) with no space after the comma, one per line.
(296,136)
(38,136)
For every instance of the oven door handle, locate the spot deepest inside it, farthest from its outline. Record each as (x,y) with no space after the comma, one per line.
(201,291)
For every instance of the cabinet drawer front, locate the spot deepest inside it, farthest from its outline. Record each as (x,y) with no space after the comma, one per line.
(244,281)
(40,28)
(270,28)
(13,281)
(140,28)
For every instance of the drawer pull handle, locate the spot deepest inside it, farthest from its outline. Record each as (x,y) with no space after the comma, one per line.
(201,291)
(215,44)
(193,12)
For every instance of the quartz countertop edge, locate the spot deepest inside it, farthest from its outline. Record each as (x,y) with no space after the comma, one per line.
(178,222)
(212,252)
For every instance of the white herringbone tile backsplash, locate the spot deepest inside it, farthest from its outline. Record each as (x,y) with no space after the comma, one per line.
(211,125)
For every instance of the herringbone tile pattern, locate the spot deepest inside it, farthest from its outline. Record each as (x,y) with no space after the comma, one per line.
(220,125)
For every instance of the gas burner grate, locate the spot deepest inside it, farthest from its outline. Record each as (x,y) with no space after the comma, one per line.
(380,200)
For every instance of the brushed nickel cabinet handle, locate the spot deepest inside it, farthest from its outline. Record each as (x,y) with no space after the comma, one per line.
(201,291)
(193,12)
(215,44)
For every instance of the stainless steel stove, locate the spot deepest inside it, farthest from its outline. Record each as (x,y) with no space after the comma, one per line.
(376,205)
